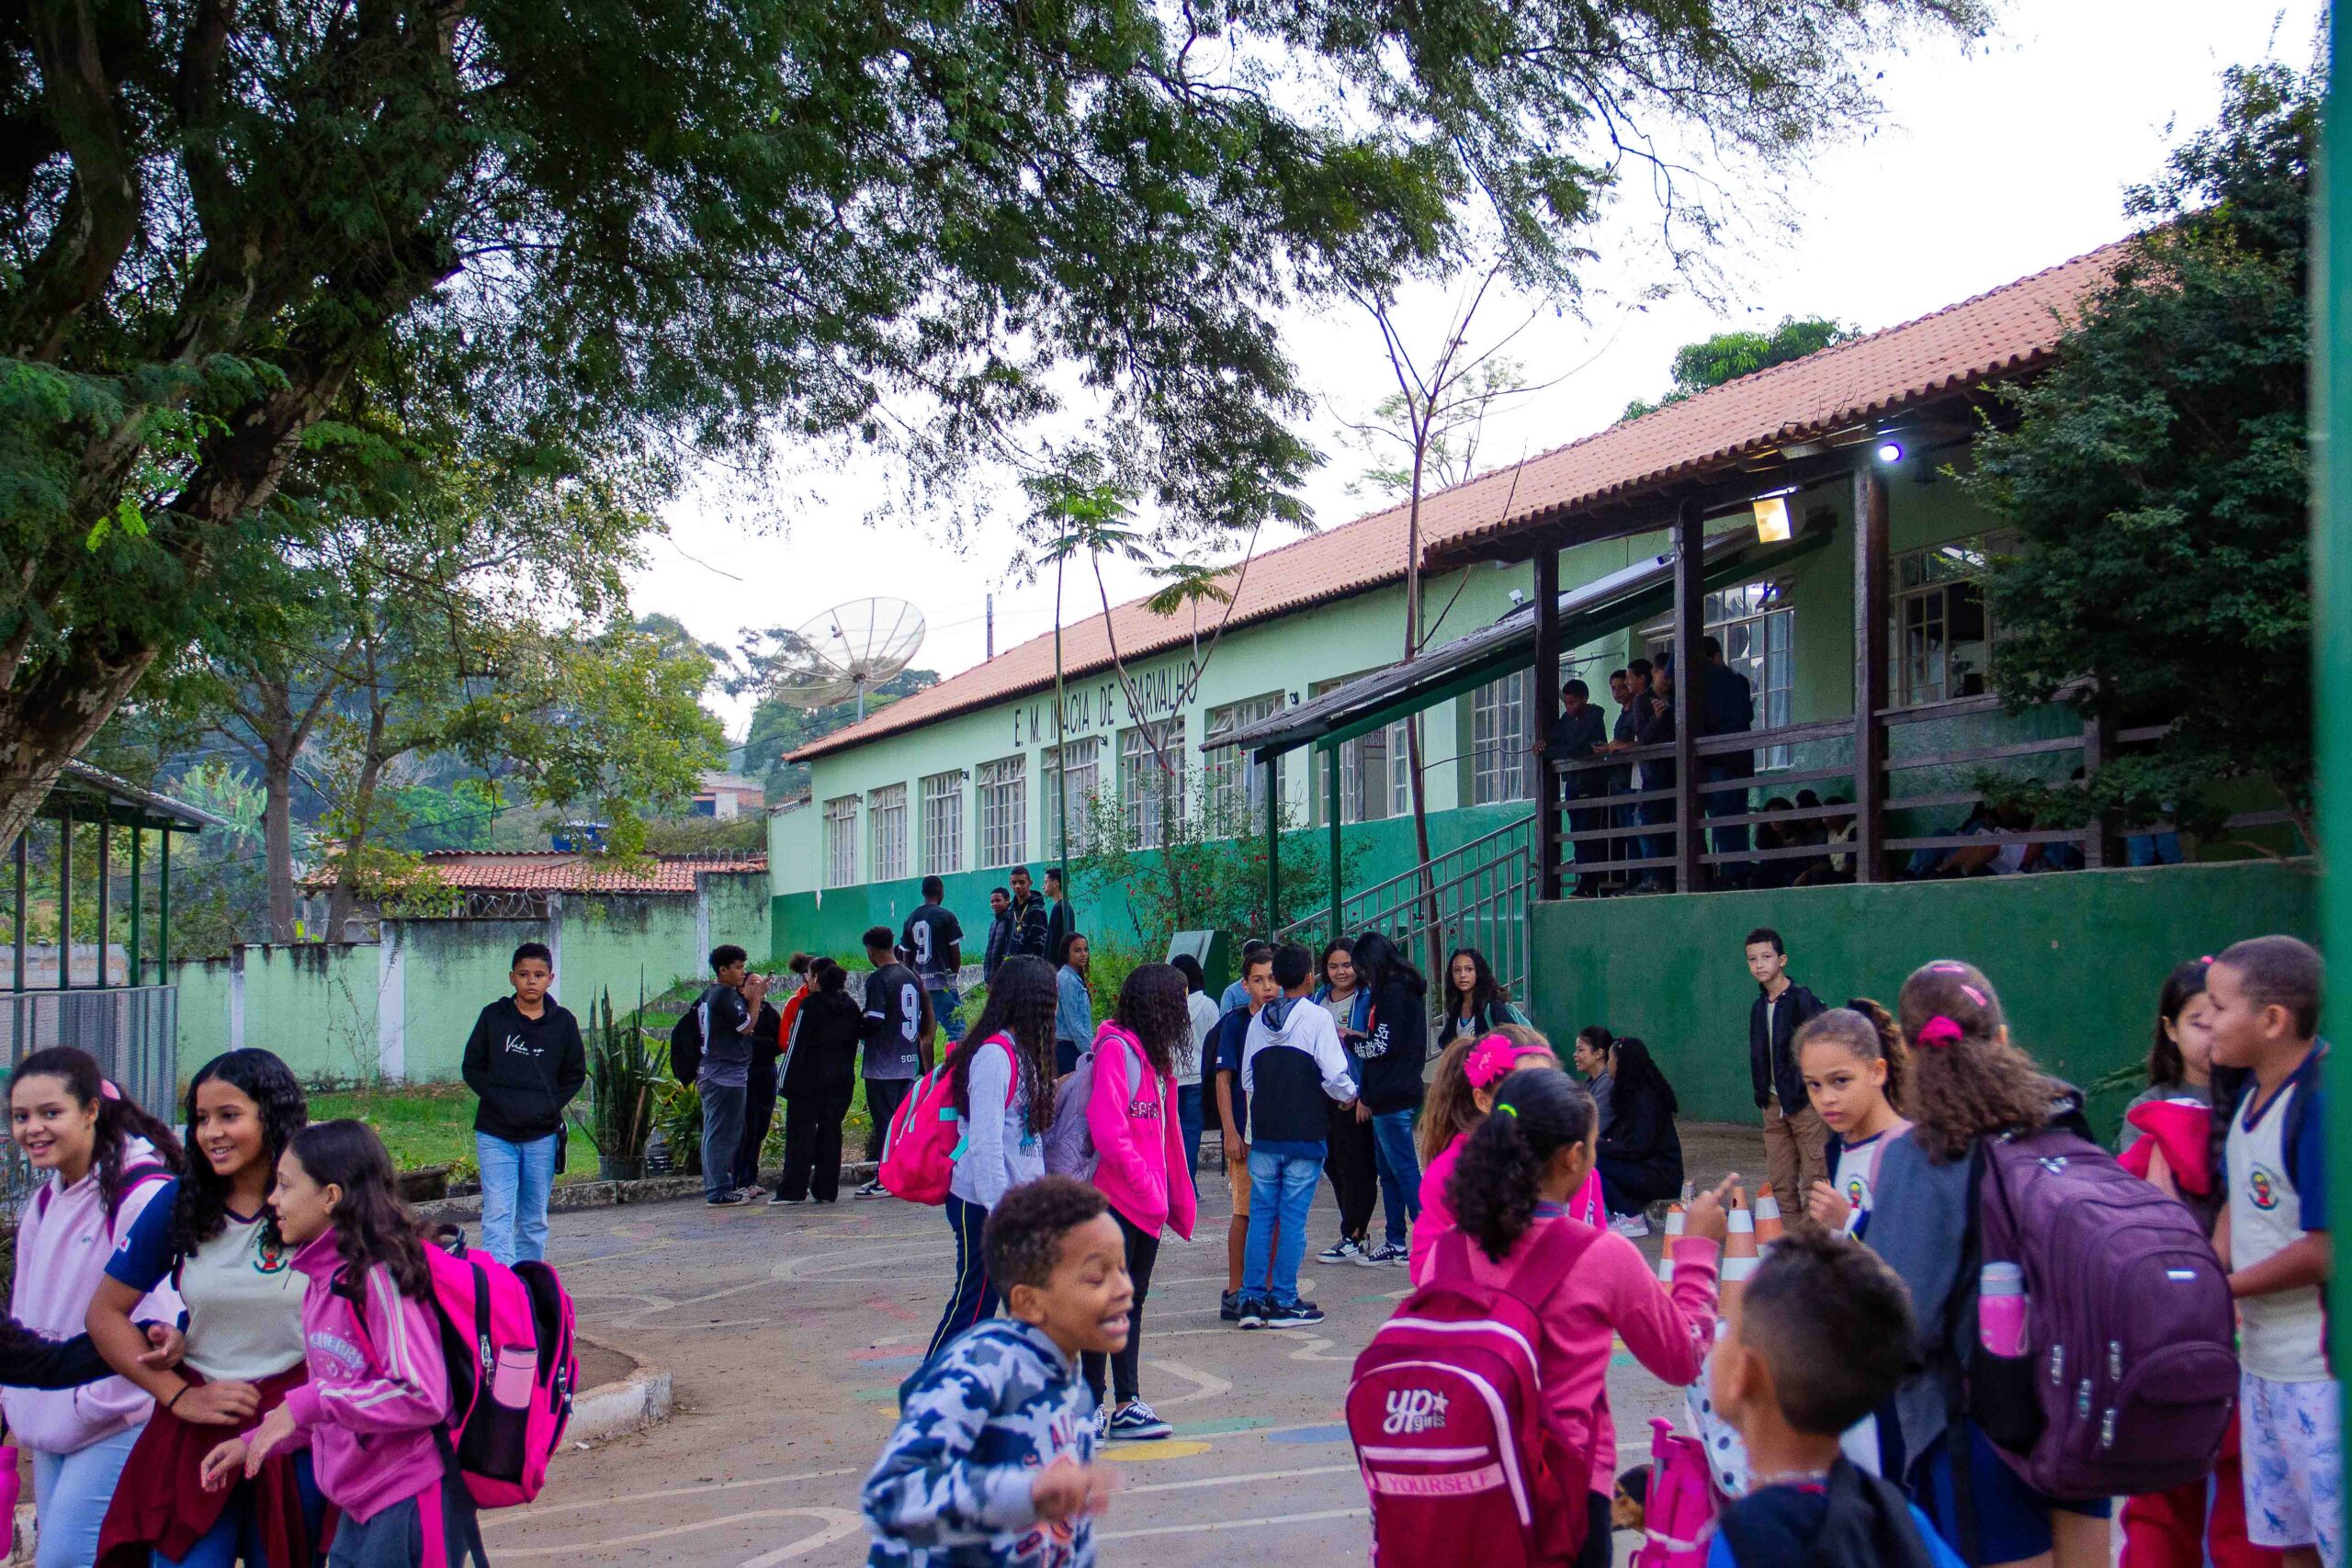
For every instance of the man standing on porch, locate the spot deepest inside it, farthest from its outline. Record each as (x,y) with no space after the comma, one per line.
(1576,736)
(1795,1140)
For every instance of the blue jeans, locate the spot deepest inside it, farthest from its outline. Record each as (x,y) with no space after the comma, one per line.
(947,1006)
(516,1180)
(1400,1169)
(1656,846)
(71,1493)
(1282,1188)
(1189,1104)
(722,1133)
(237,1534)
(2154,849)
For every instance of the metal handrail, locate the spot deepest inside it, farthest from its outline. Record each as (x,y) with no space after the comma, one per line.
(1452,898)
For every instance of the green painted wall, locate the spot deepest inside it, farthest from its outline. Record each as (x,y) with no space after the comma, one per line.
(2077,958)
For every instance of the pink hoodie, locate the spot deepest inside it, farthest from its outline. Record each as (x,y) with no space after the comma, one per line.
(378,1387)
(64,1241)
(1437,1214)
(1613,1290)
(1131,1116)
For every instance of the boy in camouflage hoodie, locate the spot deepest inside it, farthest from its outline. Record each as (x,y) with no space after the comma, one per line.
(992,1462)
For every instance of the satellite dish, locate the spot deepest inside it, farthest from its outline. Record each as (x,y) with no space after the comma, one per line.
(848,651)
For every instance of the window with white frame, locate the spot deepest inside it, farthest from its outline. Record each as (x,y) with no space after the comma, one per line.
(1940,630)
(841,841)
(885,818)
(1757,630)
(1500,765)
(1236,781)
(1082,778)
(1151,780)
(1004,811)
(942,823)
(1374,782)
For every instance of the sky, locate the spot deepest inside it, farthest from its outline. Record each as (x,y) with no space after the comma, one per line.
(1989,162)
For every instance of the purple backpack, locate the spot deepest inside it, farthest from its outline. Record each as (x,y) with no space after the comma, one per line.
(2131,1369)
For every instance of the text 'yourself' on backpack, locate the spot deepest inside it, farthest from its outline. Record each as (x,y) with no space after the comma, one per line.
(2131,1368)
(1462,1463)
(927,1134)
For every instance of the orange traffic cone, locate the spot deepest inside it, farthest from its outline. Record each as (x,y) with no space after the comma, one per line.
(1768,1228)
(1673,1234)
(1739,1249)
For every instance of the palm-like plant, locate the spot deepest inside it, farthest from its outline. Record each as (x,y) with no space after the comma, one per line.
(622,1076)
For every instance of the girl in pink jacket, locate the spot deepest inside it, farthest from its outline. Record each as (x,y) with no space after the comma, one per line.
(378,1389)
(1459,1100)
(1512,1182)
(1131,1117)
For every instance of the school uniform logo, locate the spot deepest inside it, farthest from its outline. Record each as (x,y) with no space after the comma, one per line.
(271,1256)
(2262,1187)
(1414,1410)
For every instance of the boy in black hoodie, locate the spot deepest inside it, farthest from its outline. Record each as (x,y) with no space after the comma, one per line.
(1796,1140)
(524,1063)
(1394,1047)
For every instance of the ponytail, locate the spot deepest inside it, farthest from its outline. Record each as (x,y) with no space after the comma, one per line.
(120,1119)
(1498,1180)
(1866,1031)
(1969,1081)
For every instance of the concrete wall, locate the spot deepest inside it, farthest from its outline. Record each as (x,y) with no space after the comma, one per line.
(403,1008)
(2078,959)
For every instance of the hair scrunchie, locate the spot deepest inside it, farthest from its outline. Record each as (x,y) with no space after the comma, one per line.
(1940,1032)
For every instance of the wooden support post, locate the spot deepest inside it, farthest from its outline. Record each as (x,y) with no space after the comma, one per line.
(1333,798)
(1273,851)
(163,906)
(2098,749)
(138,898)
(65,898)
(1871,672)
(1547,708)
(16,1003)
(106,896)
(1689,602)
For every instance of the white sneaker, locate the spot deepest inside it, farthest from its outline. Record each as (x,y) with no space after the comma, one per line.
(1347,1249)
(1632,1227)
(1388,1254)
(871,1189)
(780,1201)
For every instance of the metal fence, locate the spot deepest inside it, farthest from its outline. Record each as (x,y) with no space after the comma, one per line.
(133,1031)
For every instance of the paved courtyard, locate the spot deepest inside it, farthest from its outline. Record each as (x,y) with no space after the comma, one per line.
(786,1331)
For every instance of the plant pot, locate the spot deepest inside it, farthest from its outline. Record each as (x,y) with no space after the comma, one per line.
(425,1186)
(620,1168)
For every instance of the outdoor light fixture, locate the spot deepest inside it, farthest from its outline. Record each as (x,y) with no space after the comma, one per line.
(1890,450)
(1773,520)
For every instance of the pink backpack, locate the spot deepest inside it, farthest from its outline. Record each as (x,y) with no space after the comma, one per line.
(507,1339)
(924,1140)
(1679,1518)
(1464,1466)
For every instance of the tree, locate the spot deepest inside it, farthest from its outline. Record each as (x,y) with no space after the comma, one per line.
(1727,357)
(778,728)
(634,233)
(2159,479)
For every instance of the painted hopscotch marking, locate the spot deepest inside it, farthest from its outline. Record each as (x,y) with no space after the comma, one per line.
(540,1511)
(836,1523)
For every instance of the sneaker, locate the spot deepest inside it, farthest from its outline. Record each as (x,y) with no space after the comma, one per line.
(1228,1306)
(1387,1252)
(752,1191)
(1632,1227)
(724,1200)
(780,1200)
(1102,1422)
(871,1189)
(1347,1249)
(1140,1422)
(1297,1315)
(1255,1310)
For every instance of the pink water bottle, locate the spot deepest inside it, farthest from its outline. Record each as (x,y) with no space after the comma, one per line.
(2001,1308)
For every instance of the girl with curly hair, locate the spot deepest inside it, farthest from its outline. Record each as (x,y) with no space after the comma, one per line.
(102,1163)
(210,1233)
(1131,1116)
(1002,1073)
(378,1389)
(1586,1285)
(1854,1063)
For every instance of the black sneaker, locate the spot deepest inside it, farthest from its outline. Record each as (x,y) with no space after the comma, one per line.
(1257,1311)
(1228,1306)
(724,1200)
(1297,1314)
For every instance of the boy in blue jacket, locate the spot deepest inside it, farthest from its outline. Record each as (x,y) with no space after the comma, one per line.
(992,1462)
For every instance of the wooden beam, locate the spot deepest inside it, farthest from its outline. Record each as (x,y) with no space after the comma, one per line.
(1870,672)
(105,898)
(1547,708)
(1334,798)
(138,899)
(66,901)
(1690,605)
(2098,748)
(1273,848)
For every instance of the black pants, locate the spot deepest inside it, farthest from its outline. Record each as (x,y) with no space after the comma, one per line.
(1600,1540)
(882,1099)
(812,1141)
(1356,1176)
(1628,1187)
(1143,1251)
(759,1115)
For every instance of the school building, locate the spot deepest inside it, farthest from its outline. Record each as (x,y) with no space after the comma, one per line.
(1807,518)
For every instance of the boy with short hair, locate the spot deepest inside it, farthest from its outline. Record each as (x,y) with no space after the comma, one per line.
(728,1015)
(2273,1237)
(1796,1141)
(993,1461)
(896,1032)
(525,1062)
(1821,1339)
(1221,1076)
(932,942)
(1291,1063)
(1236,994)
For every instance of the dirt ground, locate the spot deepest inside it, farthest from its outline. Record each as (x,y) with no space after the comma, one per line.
(786,1331)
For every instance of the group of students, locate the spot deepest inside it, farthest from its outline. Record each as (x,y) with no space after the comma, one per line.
(1842,1373)
(223,1346)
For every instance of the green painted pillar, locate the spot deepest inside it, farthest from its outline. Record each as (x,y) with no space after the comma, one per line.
(66,898)
(1331,809)
(2332,585)
(163,908)
(1273,851)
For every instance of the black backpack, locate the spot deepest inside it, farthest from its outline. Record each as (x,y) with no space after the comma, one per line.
(1868,1524)
(685,1047)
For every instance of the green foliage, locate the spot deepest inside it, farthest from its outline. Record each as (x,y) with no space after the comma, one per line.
(778,728)
(1207,872)
(2158,475)
(624,1075)
(745,834)
(1727,357)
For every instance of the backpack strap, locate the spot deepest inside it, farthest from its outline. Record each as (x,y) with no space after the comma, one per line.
(137,1177)
(1536,1276)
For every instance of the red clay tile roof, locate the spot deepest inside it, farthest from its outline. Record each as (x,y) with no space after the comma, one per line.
(567,871)
(1991,337)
